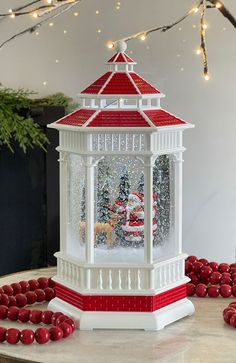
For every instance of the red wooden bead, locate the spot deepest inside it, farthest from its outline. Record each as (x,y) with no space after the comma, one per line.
(47,317)
(8,290)
(71,322)
(2,334)
(213,291)
(206,272)
(35,316)
(33,284)
(67,329)
(12,301)
(31,297)
(27,336)
(55,333)
(16,288)
(234,290)
(55,316)
(233,276)
(13,336)
(24,286)
(49,293)
(229,308)
(3,312)
(232,265)
(225,290)
(201,290)
(197,266)
(51,283)
(232,320)
(228,315)
(205,280)
(24,315)
(192,259)
(188,267)
(215,277)
(190,288)
(214,266)
(233,305)
(43,282)
(4,299)
(204,261)
(60,319)
(13,313)
(232,270)
(194,278)
(1,291)
(21,300)
(42,335)
(224,267)
(226,280)
(226,274)
(40,295)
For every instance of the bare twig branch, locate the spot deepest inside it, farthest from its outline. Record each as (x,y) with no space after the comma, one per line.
(32,29)
(203,40)
(224,11)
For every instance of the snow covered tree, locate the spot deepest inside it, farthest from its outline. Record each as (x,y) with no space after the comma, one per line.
(82,204)
(161,186)
(124,186)
(103,195)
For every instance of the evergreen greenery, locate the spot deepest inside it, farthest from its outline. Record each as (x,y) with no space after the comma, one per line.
(18,129)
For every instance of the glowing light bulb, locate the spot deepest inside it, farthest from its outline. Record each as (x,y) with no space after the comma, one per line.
(10,10)
(76,14)
(204,26)
(97,12)
(198,51)
(65,31)
(118,3)
(49,2)
(194,26)
(12,16)
(195,10)
(37,33)
(57,61)
(99,31)
(35,15)
(44,83)
(51,24)
(118,7)
(110,45)
(143,37)
(218,5)
(207,77)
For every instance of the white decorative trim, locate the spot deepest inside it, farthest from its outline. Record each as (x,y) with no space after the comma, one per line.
(133,238)
(133,229)
(107,81)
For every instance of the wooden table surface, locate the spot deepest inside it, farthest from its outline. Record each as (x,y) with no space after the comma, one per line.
(202,337)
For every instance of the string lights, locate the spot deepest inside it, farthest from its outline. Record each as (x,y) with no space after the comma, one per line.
(199,7)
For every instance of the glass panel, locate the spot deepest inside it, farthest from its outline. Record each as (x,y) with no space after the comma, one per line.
(76,195)
(163,195)
(119,210)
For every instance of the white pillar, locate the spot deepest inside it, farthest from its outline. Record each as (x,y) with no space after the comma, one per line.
(64,208)
(89,209)
(178,191)
(148,209)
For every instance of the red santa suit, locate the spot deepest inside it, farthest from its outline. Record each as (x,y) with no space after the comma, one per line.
(133,226)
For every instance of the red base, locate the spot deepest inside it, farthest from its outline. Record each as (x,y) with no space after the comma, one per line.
(140,303)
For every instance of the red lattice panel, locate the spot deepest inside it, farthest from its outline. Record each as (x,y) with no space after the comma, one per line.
(77,118)
(96,86)
(143,86)
(120,303)
(163,118)
(119,84)
(118,119)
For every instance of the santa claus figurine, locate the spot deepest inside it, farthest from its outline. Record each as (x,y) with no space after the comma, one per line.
(133,225)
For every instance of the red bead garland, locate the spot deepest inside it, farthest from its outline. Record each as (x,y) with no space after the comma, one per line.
(212,279)
(14,298)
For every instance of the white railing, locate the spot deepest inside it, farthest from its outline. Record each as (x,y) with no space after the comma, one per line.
(118,142)
(121,279)
(167,140)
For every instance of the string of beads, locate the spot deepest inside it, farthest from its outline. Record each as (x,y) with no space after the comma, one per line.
(13,300)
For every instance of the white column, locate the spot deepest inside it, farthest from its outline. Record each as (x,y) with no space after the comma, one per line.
(178,202)
(64,207)
(89,209)
(148,209)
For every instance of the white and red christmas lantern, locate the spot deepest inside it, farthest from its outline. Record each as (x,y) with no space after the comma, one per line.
(120,264)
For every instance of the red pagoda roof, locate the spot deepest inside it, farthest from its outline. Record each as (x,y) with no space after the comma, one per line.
(120,83)
(120,58)
(121,118)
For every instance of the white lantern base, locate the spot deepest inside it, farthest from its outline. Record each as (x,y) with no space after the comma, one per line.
(89,320)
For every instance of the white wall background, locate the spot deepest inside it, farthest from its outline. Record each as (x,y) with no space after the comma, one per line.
(166,60)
